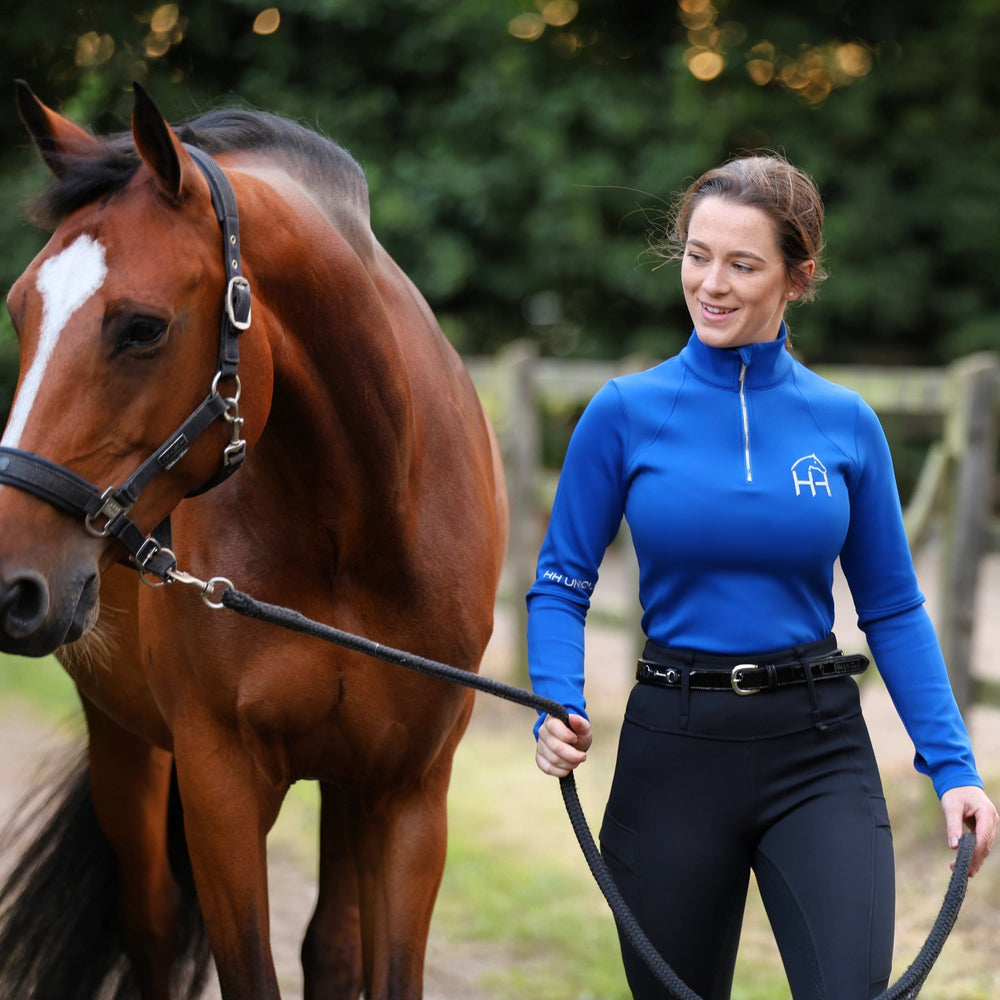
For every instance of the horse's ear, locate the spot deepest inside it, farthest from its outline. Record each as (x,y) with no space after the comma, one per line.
(57,138)
(159,147)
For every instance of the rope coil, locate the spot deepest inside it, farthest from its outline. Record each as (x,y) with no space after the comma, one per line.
(908,985)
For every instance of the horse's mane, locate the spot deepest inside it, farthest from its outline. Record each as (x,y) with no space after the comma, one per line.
(318,163)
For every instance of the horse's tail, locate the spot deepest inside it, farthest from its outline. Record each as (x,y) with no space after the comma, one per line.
(60,933)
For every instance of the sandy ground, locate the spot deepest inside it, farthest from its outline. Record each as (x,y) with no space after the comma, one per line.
(26,739)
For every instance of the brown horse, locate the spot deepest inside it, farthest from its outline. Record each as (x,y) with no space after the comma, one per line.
(371,498)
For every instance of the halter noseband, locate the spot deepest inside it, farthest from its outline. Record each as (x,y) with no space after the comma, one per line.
(105,512)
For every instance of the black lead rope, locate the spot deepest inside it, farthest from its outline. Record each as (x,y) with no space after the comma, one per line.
(909,984)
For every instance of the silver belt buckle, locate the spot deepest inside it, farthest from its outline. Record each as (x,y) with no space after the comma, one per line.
(735,676)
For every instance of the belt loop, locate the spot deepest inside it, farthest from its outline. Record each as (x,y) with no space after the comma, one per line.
(817,716)
(686,690)
(685,697)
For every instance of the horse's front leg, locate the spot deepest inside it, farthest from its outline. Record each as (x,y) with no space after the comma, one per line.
(228,809)
(130,785)
(331,951)
(400,848)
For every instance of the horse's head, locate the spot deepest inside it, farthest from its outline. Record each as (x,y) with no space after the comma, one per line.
(118,321)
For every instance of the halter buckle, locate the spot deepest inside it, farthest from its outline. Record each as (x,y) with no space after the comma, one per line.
(111,507)
(238,298)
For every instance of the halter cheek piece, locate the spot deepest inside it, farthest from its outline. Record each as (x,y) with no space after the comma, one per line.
(105,512)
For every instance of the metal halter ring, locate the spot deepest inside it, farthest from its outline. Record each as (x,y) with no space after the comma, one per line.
(230,400)
(110,509)
(144,574)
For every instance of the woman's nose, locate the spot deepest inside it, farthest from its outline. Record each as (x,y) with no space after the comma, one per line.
(715,279)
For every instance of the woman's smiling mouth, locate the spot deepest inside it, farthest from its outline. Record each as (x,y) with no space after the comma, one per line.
(716,310)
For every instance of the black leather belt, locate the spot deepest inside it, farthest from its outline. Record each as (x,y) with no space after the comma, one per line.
(750,678)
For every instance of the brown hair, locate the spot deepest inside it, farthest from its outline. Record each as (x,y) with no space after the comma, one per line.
(787,195)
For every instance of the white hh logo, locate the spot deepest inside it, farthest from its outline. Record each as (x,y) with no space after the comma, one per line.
(810,472)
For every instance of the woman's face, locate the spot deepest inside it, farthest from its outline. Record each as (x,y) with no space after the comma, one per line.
(733,274)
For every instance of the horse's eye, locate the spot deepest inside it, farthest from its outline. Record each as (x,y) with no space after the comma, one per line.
(142,331)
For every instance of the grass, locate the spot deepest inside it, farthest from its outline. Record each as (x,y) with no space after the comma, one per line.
(519,914)
(515,874)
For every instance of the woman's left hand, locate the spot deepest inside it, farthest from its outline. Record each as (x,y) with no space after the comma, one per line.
(968,806)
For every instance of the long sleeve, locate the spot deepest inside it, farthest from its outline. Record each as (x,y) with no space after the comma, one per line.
(586,514)
(879,569)
(908,655)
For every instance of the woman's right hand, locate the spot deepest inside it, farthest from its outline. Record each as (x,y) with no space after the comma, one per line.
(560,749)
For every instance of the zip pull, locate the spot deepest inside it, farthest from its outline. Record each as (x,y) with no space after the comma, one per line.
(746,422)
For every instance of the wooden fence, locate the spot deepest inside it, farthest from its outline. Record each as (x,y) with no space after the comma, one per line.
(953,497)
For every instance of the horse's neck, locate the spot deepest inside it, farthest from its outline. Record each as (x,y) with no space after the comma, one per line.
(347,405)
(358,372)
(341,400)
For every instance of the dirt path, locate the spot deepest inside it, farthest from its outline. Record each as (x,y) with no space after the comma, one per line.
(453,974)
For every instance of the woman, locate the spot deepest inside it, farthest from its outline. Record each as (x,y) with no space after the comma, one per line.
(744,477)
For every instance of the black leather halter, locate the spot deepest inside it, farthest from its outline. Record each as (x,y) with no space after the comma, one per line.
(105,512)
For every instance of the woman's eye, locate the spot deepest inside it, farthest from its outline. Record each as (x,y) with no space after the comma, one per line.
(142,331)
(743,268)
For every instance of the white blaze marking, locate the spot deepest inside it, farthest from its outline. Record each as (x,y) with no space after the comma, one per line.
(65,282)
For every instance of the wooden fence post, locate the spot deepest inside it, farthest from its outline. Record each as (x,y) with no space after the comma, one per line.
(970,437)
(522,448)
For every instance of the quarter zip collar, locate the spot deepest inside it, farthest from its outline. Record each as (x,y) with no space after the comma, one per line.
(765,364)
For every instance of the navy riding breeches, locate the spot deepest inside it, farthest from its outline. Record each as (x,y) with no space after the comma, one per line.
(709,785)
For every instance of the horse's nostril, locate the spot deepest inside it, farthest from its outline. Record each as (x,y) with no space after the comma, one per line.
(24,603)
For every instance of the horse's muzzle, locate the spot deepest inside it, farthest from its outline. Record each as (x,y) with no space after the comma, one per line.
(31,624)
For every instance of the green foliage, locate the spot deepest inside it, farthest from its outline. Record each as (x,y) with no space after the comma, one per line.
(516,178)
(41,684)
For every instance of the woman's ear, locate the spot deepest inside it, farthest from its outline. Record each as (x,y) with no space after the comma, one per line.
(800,278)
